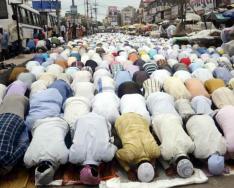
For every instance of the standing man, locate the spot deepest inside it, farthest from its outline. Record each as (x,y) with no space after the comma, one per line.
(63,31)
(74,31)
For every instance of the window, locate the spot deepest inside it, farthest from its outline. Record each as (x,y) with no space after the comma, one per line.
(43,16)
(3,9)
(23,15)
(28,20)
(32,18)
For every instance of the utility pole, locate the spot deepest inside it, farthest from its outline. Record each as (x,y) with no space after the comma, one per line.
(58,16)
(87,11)
(91,17)
(73,16)
(95,11)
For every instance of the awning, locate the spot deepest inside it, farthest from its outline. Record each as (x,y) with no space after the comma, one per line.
(218,17)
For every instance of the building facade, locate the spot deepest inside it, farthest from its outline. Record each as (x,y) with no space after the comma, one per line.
(128,15)
(156,11)
(113,16)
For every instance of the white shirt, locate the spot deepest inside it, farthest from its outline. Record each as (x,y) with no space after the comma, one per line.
(63,28)
(48,142)
(107,104)
(161,103)
(84,89)
(207,138)
(75,107)
(134,103)
(173,138)
(91,142)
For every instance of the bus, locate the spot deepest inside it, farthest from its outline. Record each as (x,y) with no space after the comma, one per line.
(48,19)
(29,19)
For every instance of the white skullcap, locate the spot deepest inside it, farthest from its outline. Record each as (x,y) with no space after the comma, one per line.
(145,172)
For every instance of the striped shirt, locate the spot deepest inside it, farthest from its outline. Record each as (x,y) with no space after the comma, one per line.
(151,86)
(150,68)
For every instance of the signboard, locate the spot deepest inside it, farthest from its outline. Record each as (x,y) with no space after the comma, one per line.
(43,5)
(73,9)
(112,10)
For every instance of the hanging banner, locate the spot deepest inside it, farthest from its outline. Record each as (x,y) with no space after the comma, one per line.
(45,5)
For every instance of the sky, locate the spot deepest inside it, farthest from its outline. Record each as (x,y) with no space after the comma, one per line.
(102,5)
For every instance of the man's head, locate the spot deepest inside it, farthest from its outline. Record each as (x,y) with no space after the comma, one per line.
(145,172)
(216,164)
(184,168)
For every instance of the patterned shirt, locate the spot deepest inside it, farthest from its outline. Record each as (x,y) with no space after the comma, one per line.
(11,128)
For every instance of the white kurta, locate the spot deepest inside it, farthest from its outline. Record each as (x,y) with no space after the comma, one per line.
(160,75)
(175,87)
(75,107)
(183,75)
(48,142)
(222,97)
(38,86)
(201,105)
(54,69)
(161,103)
(84,89)
(206,137)
(106,104)
(173,138)
(134,103)
(37,71)
(202,74)
(82,76)
(91,142)
(184,108)
(99,74)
